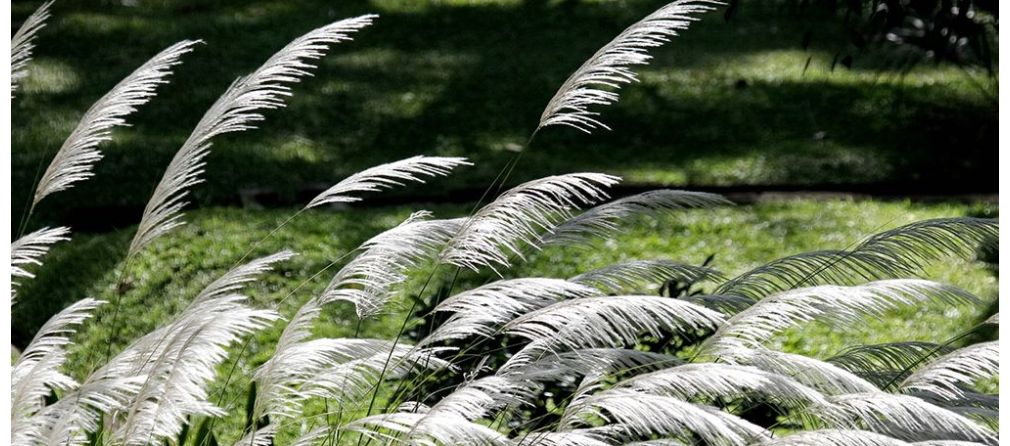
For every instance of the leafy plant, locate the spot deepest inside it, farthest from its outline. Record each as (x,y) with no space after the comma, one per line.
(592,359)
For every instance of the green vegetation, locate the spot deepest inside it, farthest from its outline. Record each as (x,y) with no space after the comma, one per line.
(742,237)
(727,103)
(725,106)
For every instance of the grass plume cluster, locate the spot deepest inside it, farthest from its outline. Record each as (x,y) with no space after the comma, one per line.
(592,360)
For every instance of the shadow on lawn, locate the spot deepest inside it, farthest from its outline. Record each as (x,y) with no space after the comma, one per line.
(472,80)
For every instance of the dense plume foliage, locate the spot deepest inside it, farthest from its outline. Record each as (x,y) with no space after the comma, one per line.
(618,365)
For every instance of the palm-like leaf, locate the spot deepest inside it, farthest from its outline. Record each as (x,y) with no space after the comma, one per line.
(76,157)
(236,110)
(611,66)
(387,176)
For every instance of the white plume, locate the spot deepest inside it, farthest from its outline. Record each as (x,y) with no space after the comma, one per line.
(369,280)
(79,152)
(612,321)
(427,430)
(900,416)
(947,376)
(37,371)
(611,66)
(520,215)
(387,176)
(238,277)
(828,303)
(28,249)
(886,364)
(634,275)
(896,253)
(606,219)
(23,43)
(482,311)
(645,415)
(177,379)
(835,437)
(538,364)
(823,376)
(712,381)
(338,369)
(236,110)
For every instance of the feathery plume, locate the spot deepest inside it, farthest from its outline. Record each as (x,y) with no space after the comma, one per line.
(520,215)
(828,303)
(712,381)
(426,429)
(236,110)
(611,66)
(177,379)
(634,275)
(886,364)
(946,376)
(482,311)
(23,43)
(823,376)
(605,219)
(537,364)
(900,416)
(896,253)
(338,369)
(645,415)
(79,152)
(387,176)
(368,281)
(611,321)
(36,372)
(235,279)
(28,249)
(835,437)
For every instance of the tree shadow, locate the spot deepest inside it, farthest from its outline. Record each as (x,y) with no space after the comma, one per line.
(472,80)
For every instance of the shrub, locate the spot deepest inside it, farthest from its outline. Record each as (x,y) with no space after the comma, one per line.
(589,360)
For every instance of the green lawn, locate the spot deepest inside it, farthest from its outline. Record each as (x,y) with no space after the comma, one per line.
(725,104)
(164,278)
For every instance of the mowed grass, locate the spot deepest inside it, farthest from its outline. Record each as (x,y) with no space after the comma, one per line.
(726,103)
(163,280)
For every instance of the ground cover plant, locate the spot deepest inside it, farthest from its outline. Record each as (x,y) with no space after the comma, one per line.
(733,103)
(481,353)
